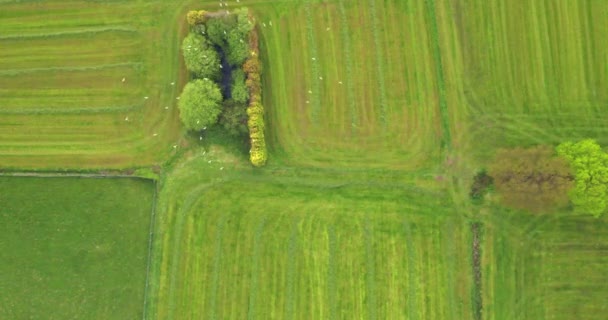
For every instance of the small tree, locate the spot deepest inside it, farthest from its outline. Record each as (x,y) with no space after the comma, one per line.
(238,90)
(533,179)
(200,104)
(234,118)
(200,57)
(590,164)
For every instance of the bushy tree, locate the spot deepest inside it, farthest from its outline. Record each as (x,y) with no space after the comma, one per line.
(200,104)
(532,179)
(234,118)
(590,165)
(196,17)
(238,90)
(230,33)
(200,57)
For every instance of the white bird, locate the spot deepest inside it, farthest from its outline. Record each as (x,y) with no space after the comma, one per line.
(177,98)
(224,31)
(172,83)
(327,29)
(174,146)
(198,121)
(166,108)
(340,82)
(146,98)
(264,24)
(127,118)
(238,1)
(270,23)
(307,102)
(320,78)
(314,59)
(204,128)
(124,79)
(221,67)
(309,91)
(200,138)
(221,4)
(209,161)
(155,134)
(222,168)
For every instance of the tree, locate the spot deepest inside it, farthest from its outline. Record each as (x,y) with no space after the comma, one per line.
(533,179)
(590,164)
(199,104)
(234,118)
(238,90)
(200,57)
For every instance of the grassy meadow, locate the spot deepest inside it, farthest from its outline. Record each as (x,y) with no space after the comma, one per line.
(301,245)
(379,113)
(63,102)
(73,248)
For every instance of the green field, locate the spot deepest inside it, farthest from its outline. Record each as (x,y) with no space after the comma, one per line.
(300,245)
(73,248)
(379,113)
(63,103)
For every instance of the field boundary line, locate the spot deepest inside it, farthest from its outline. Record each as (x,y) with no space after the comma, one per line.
(79,110)
(150,242)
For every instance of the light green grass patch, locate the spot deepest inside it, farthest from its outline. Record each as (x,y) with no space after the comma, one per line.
(73,248)
(238,244)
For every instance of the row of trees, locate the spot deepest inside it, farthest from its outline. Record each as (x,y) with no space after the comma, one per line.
(252,68)
(221,52)
(544,178)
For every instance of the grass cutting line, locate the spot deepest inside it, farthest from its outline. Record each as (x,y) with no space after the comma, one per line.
(57,110)
(290,273)
(370,271)
(215,278)
(316,86)
(83,31)
(14,72)
(191,199)
(379,64)
(255,270)
(446,142)
(332,288)
(347,43)
(412,272)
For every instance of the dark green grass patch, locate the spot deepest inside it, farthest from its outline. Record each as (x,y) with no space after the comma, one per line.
(73,248)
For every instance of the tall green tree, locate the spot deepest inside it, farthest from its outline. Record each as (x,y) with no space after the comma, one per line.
(532,179)
(590,165)
(200,57)
(200,104)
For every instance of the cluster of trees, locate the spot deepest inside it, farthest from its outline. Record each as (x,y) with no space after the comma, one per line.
(544,178)
(221,52)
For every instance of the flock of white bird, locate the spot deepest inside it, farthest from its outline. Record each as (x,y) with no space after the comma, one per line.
(223,4)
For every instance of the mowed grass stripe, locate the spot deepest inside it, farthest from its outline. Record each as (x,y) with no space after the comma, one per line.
(347,79)
(70,51)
